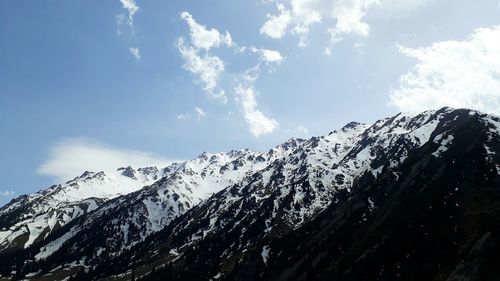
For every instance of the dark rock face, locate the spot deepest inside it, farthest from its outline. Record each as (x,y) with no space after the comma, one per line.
(128,172)
(407,198)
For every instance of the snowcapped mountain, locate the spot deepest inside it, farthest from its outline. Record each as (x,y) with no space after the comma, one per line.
(119,214)
(324,189)
(127,220)
(222,216)
(294,188)
(31,218)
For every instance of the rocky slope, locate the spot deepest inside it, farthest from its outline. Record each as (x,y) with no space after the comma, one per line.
(398,173)
(434,217)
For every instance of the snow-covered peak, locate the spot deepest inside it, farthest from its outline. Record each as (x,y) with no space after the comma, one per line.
(104,185)
(352,126)
(304,176)
(54,207)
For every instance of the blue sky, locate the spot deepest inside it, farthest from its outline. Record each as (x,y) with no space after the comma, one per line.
(91,84)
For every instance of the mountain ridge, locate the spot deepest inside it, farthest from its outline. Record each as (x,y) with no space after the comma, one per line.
(245,197)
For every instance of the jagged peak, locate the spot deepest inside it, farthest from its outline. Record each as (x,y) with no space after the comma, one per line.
(148,170)
(351,126)
(288,145)
(127,172)
(87,175)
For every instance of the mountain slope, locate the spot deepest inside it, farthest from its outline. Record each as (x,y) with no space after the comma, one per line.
(435,217)
(219,233)
(120,223)
(31,218)
(127,220)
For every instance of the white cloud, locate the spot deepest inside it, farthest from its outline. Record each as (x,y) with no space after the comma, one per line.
(258,123)
(204,38)
(301,130)
(240,49)
(135,53)
(183,116)
(276,25)
(358,46)
(71,157)
(206,66)
(269,56)
(131,8)
(344,17)
(200,112)
(401,7)
(302,14)
(349,16)
(7,193)
(453,73)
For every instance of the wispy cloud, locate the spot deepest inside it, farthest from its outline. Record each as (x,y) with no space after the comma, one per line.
(197,56)
(70,157)
(276,25)
(453,73)
(342,18)
(301,15)
(7,193)
(203,37)
(135,53)
(208,69)
(127,18)
(258,123)
(269,56)
(299,131)
(200,112)
(183,116)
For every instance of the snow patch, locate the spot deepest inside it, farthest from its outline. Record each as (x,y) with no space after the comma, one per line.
(265,253)
(371,204)
(55,245)
(444,144)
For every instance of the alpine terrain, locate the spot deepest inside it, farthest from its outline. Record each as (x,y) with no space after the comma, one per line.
(409,197)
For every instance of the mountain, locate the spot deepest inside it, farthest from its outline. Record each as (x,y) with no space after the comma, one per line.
(118,222)
(31,218)
(365,202)
(127,220)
